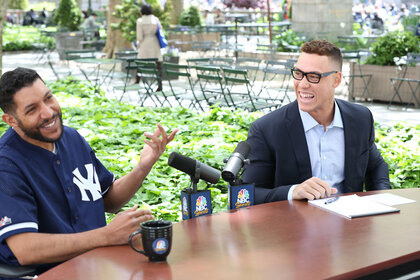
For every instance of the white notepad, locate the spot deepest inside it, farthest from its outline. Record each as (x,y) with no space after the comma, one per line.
(353,206)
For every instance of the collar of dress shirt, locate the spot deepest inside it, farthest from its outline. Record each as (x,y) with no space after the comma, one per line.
(309,122)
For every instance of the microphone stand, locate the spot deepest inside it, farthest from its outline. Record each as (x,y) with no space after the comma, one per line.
(240,194)
(195,203)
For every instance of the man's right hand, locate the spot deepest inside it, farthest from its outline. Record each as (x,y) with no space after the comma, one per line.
(313,188)
(125,223)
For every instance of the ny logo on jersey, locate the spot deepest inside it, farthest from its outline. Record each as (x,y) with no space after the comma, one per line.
(91,183)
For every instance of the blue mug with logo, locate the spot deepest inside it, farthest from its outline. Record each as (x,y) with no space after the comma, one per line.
(156,238)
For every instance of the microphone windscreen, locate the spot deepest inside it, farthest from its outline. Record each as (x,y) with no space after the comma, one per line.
(243,148)
(182,163)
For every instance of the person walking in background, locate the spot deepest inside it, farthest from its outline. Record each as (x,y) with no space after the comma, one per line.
(147,41)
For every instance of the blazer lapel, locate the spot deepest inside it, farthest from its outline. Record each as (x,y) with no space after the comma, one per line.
(350,146)
(298,140)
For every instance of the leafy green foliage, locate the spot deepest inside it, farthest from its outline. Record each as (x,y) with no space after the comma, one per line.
(115,132)
(17,38)
(68,15)
(129,12)
(400,147)
(190,17)
(49,6)
(411,21)
(18,4)
(288,37)
(393,44)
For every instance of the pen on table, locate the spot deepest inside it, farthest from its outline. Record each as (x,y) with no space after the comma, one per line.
(331,200)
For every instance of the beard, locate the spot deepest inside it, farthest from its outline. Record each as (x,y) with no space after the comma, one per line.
(35,133)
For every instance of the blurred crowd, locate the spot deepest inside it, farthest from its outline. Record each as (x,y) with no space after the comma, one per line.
(382,16)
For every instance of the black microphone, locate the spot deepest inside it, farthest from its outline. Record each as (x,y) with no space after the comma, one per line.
(236,161)
(239,194)
(194,203)
(194,168)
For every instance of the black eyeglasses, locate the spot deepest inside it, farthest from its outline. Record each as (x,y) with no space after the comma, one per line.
(312,77)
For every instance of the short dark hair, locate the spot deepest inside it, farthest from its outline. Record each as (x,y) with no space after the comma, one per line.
(323,47)
(146,9)
(13,81)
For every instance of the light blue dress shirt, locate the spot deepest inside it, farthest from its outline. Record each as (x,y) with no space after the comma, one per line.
(326,149)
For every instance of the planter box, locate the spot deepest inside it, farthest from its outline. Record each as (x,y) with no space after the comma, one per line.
(183,41)
(380,86)
(67,41)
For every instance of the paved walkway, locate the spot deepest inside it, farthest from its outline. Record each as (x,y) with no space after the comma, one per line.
(38,62)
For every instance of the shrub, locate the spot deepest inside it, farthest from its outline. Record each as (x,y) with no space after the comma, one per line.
(288,37)
(391,45)
(190,17)
(18,38)
(68,16)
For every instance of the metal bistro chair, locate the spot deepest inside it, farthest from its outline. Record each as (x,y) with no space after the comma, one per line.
(276,81)
(356,73)
(202,47)
(413,84)
(211,84)
(240,93)
(131,69)
(181,84)
(149,77)
(17,272)
(252,65)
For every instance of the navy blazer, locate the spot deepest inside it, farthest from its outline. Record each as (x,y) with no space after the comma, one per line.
(280,158)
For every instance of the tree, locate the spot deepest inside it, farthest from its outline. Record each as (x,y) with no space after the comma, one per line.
(3,9)
(18,4)
(115,40)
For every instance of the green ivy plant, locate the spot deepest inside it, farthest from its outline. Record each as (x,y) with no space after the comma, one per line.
(115,132)
(393,45)
(129,12)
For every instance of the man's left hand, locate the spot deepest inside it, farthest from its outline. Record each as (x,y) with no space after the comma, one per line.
(155,146)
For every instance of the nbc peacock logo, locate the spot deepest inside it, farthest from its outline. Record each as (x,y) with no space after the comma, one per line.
(201,203)
(185,205)
(243,196)
(160,245)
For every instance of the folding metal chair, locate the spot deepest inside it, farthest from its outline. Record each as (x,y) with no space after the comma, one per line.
(130,70)
(149,77)
(211,84)
(252,65)
(412,86)
(276,81)
(240,93)
(202,47)
(181,85)
(356,73)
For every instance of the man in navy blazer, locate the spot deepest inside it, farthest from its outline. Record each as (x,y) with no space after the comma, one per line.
(317,145)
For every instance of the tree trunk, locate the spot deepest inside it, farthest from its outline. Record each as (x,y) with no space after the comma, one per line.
(114,41)
(3,9)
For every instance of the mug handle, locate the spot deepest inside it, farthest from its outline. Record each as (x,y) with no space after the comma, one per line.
(130,241)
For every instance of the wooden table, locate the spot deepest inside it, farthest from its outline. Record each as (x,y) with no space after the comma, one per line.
(280,240)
